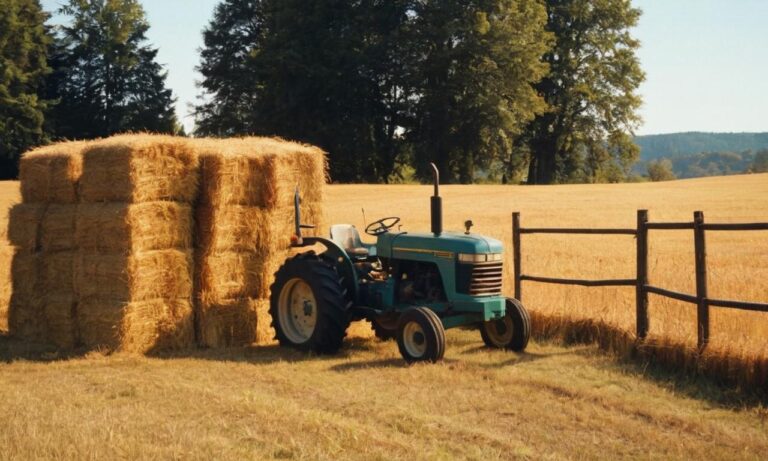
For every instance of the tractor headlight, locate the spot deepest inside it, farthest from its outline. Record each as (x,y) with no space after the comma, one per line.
(479,258)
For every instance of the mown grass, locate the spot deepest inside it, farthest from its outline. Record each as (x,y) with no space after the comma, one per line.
(265,402)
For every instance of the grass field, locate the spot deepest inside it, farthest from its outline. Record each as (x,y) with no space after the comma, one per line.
(551,402)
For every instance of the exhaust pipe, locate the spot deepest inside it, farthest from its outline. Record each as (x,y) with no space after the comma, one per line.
(436,205)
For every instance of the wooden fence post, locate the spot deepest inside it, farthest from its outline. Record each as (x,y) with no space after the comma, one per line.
(702,318)
(642,274)
(517,255)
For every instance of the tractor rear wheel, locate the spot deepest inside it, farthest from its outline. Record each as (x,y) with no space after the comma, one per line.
(421,336)
(309,305)
(509,332)
(385,326)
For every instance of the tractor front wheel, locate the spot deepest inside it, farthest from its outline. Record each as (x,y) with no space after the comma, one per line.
(421,336)
(509,332)
(309,305)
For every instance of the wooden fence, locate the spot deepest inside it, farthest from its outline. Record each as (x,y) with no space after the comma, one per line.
(642,287)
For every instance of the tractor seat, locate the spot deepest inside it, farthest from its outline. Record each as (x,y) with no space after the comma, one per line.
(347,237)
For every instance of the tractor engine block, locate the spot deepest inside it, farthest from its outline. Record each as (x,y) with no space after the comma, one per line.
(419,282)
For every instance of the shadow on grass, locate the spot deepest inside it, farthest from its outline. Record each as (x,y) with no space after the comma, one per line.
(267,354)
(12,350)
(370,364)
(718,379)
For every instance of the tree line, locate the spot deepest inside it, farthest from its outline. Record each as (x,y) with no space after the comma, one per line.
(541,91)
(707,164)
(673,145)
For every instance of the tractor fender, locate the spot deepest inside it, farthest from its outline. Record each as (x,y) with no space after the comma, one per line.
(342,262)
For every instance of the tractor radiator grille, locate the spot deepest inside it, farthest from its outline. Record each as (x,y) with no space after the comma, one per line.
(486,279)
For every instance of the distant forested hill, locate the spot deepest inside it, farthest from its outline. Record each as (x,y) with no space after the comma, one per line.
(680,144)
(696,154)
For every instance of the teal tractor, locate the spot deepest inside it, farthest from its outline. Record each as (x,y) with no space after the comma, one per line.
(410,286)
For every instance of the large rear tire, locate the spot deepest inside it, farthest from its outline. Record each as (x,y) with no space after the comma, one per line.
(421,336)
(509,332)
(309,305)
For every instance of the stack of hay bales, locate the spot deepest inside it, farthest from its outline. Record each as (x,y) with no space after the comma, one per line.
(244,221)
(42,229)
(122,243)
(134,265)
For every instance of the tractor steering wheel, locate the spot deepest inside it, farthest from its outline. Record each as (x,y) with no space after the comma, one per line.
(381,226)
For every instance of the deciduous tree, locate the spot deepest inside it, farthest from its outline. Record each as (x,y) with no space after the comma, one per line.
(474,64)
(661,170)
(591,89)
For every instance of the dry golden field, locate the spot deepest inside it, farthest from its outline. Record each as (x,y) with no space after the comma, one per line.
(551,402)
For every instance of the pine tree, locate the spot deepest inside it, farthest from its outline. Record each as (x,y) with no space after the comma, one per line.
(105,75)
(474,67)
(586,135)
(23,67)
(326,72)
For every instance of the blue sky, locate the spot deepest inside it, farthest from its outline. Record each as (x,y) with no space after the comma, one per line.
(706,61)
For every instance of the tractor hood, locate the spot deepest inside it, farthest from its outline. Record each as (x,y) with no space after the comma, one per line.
(447,244)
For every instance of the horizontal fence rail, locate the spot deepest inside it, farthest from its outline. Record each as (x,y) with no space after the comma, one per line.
(640,282)
(736,227)
(586,283)
(563,230)
(669,225)
(671,294)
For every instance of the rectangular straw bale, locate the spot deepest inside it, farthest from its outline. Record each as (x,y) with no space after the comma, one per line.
(57,229)
(113,227)
(229,177)
(144,326)
(229,323)
(157,325)
(57,273)
(42,227)
(99,322)
(235,228)
(134,277)
(59,313)
(230,275)
(50,174)
(242,228)
(24,225)
(139,168)
(259,172)
(25,275)
(264,332)
(26,318)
